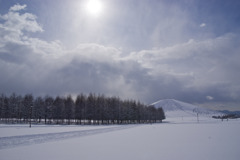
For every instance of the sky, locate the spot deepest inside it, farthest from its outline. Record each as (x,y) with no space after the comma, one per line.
(145,50)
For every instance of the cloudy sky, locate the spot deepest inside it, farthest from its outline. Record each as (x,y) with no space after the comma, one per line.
(146,50)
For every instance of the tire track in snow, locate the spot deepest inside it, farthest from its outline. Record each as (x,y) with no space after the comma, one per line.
(15,141)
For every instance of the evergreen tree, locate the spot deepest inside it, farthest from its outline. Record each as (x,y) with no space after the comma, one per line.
(39,109)
(69,108)
(94,109)
(27,104)
(5,108)
(90,107)
(48,108)
(58,109)
(80,107)
(13,106)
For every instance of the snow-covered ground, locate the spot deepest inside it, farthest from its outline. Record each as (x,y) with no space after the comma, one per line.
(174,108)
(176,139)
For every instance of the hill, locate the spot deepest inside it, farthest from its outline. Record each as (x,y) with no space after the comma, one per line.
(175,108)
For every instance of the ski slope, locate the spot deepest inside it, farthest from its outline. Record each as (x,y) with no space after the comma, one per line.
(208,139)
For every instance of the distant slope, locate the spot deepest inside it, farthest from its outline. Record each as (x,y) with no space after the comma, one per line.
(175,108)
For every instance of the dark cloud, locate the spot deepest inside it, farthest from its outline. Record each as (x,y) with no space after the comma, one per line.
(193,70)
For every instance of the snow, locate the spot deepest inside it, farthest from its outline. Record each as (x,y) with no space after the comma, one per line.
(33,138)
(175,108)
(18,130)
(175,139)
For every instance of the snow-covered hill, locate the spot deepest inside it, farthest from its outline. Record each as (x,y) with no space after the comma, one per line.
(175,108)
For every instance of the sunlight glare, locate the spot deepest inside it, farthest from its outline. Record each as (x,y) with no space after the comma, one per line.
(94,7)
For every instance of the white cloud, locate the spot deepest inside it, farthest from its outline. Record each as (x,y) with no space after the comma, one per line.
(209,97)
(14,23)
(96,52)
(203,25)
(18,7)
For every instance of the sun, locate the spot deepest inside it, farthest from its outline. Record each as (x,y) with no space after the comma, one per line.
(94,7)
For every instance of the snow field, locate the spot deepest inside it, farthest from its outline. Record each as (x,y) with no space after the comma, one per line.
(29,139)
(18,130)
(204,141)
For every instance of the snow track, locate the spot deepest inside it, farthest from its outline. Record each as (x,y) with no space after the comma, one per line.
(15,141)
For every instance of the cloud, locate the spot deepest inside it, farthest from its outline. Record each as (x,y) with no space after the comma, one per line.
(186,71)
(33,65)
(209,97)
(18,7)
(14,24)
(203,25)
(197,66)
(172,23)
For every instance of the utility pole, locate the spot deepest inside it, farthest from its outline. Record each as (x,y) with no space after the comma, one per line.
(195,110)
(197,118)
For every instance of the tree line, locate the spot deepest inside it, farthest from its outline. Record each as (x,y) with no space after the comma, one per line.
(85,109)
(226,116)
